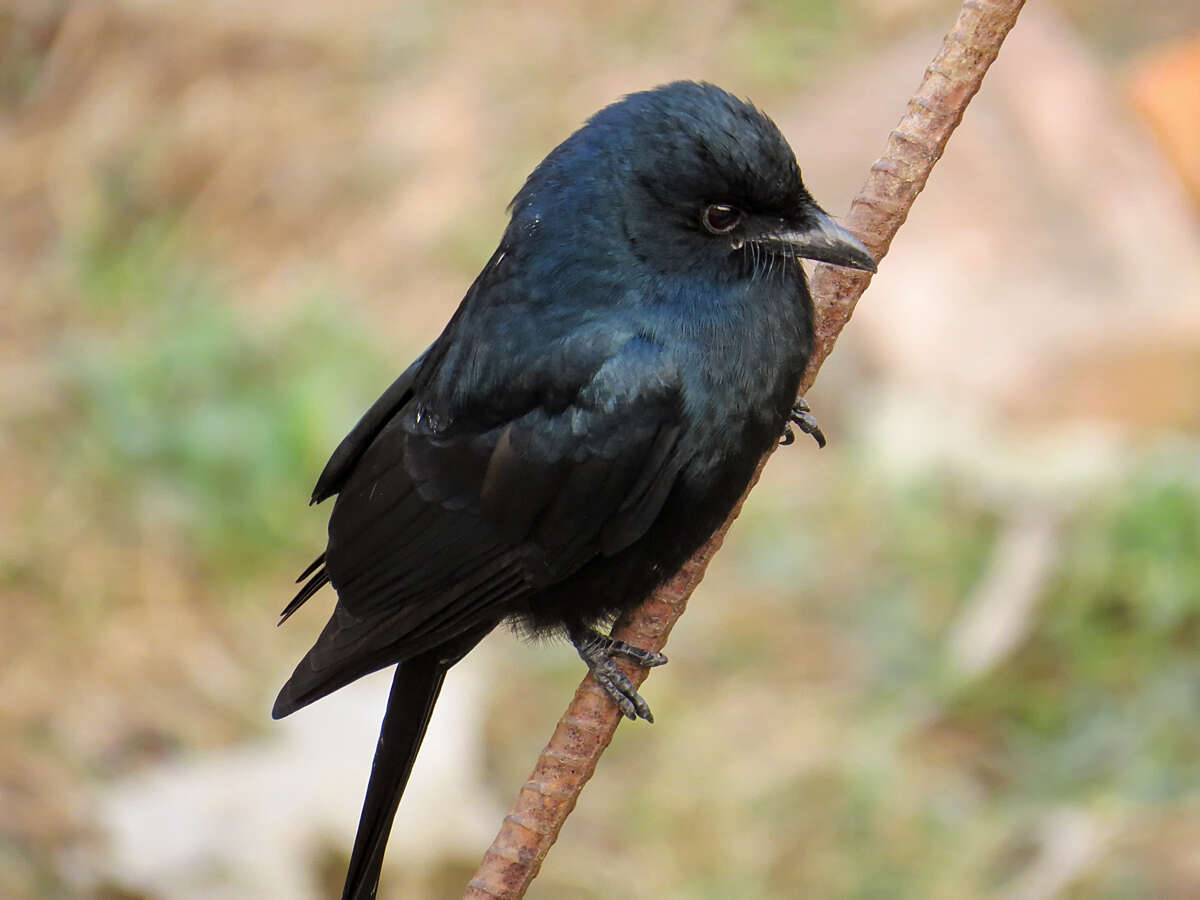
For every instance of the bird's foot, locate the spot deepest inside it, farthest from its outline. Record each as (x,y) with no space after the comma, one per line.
(802,417)
(598,651)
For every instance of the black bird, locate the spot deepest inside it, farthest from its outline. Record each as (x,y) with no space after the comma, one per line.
(583,424)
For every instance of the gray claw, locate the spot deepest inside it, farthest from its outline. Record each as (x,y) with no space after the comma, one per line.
(598,651)
(803,418)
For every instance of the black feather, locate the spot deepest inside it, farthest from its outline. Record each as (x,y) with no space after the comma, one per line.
(587,418)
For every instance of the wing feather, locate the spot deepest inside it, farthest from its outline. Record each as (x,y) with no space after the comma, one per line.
(355,444)
(438,532)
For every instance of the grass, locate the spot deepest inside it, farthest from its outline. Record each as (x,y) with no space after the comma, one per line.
(195,414)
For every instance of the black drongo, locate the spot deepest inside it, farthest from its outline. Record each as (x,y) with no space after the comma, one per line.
(583,424)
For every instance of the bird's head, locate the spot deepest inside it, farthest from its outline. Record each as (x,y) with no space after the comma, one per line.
(692,178)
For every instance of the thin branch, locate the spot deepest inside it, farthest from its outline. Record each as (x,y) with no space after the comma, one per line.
(530,829)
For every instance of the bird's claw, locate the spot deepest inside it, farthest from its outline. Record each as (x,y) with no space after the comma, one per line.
(801,416)
(598,651)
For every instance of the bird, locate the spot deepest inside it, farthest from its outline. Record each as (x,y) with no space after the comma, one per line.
(586,420)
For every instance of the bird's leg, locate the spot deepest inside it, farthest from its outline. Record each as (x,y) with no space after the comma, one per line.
(803,418)
(598,650)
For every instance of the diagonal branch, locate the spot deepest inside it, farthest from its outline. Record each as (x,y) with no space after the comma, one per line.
(584,731)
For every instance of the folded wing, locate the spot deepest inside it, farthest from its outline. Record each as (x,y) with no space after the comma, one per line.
(436,532)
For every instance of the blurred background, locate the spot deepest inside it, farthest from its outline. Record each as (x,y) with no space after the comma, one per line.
(956,654)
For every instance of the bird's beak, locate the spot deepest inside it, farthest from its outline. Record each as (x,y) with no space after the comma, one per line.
(825,240)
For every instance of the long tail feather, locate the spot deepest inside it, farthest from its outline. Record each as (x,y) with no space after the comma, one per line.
(415,689)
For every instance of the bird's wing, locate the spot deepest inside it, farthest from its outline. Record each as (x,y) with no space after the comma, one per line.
(355,444)
(435,532)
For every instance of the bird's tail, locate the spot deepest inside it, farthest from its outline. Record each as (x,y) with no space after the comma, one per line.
(415,689)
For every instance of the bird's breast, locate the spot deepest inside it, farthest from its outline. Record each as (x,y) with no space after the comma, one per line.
(747,360)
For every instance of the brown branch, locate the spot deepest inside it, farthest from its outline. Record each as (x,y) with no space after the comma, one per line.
(530,829)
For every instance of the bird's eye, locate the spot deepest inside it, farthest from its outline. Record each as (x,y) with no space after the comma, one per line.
(720,219)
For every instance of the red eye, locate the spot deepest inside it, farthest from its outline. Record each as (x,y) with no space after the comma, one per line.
(720,219)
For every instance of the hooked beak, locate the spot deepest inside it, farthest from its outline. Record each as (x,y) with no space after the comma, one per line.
(827,241)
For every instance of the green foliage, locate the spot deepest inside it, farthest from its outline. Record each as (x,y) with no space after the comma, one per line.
(1100,698)
(202,419)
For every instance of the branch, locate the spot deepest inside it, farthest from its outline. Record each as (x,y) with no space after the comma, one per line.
(584,731)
